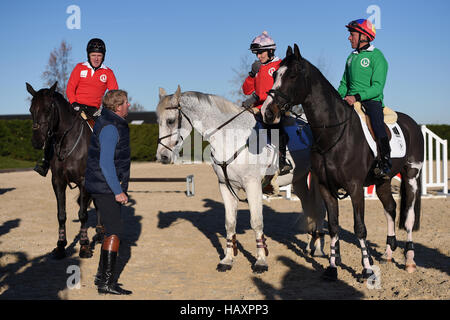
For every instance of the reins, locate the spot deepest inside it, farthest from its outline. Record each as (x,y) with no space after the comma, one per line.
(331,187)
(222,164)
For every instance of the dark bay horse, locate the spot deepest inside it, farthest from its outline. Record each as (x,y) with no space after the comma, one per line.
(342,158)
(54,118)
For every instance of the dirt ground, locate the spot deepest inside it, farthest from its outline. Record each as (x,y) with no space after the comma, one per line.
(173,244)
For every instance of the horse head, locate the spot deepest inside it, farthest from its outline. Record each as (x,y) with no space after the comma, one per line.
(173,125)
(44,114)
(289,88)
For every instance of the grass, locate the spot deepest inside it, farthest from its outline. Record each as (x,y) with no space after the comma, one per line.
(9,163)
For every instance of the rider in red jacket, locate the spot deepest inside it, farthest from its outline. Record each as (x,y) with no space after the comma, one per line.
(259,82)
(85,89)
(89,80)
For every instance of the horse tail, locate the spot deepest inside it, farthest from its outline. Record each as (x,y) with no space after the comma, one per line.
(409,195)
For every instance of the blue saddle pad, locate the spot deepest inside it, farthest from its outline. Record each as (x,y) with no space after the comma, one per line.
(299,132)
(300,135)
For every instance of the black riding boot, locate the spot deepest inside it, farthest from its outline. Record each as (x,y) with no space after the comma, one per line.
(106,282)
(42,168)
(383,168)
(284,165)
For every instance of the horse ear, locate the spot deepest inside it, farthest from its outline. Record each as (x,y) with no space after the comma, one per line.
(162,93)
(30,89)
(177,94)
(289,51)
(53,88)
(297,52)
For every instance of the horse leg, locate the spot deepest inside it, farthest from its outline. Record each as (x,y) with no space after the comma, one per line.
(254,196)
(59,187)
(357,197)
(410,209)
(230,203)
(332,207)
(384,193)
(99,228)
(85,250)
(314,209)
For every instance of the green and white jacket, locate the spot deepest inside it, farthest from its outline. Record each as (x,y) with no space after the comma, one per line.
(365,74)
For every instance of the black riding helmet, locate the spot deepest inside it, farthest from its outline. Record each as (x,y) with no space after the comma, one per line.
(96,45)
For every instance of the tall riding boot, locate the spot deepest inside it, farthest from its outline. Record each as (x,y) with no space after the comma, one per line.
(107,283)
(42,168)
(383,169)
(284,164)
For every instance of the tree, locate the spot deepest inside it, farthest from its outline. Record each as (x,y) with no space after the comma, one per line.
(135,106)
(239,77)
(59,67)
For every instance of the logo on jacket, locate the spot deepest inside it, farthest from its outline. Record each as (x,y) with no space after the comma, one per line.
(271,71)
(365,62)
(83,73)
(103,78)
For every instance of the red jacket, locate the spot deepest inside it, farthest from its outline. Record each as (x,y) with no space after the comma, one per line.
(88,87)
(262,82)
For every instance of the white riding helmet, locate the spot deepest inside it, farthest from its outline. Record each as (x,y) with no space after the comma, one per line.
(262,42)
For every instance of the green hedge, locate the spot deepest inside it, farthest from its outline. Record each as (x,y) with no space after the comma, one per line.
(15,140)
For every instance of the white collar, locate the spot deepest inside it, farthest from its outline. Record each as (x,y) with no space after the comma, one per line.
(87,64)
(273,60)
(368,49)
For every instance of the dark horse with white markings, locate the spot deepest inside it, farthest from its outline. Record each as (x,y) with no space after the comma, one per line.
(342,158)
(55,119)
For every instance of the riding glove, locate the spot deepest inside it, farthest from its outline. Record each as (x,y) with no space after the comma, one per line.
(250,101)
(255,68)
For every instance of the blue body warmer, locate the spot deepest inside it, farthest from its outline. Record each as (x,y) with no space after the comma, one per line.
(95,181)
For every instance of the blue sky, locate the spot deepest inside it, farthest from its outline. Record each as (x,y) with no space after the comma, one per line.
(152,44)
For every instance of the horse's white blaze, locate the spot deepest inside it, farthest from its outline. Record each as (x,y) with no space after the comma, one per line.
(280,73)
(276,85)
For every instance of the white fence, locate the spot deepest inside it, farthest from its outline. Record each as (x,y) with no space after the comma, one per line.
(435,170)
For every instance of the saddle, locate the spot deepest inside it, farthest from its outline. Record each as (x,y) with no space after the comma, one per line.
(89,121)
(393,130)
(390,117)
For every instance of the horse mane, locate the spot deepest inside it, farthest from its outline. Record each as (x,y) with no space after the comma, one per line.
(62,102)
(224,105)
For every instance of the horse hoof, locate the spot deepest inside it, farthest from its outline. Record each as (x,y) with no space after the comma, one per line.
(330,274)
(98,238)
(260,268)
(386,260)
(410,268)
(85,252)
(365,275)
(59,253)
(223,267)
(319,254)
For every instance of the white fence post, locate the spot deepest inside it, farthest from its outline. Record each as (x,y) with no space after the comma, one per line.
(432,176)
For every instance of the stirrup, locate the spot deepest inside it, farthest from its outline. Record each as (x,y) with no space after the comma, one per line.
(287,167)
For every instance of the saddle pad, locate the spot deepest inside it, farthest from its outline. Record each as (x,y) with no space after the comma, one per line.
(397,142)
(390,116)
(299,132)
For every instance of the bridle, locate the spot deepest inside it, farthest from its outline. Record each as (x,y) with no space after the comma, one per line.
(180,138)
(322,151)
(274,93)
(222,164)
(51,124)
